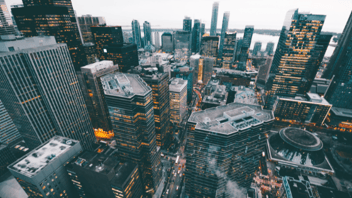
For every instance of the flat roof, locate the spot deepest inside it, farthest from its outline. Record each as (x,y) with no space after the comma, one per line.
(39,158)
(98,66)
(309,98)
(27,43)
(342,112)
(177,85)
(124,85)
(230,118)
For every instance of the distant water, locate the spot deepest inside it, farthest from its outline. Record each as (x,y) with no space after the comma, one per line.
(266,39)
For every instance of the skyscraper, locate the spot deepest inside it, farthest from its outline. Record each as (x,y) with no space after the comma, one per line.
(94,97)
(214,18)
(203,68)
(125,56)
(182,42)
(136,31)
(187,24)
(106,35)
(257,48)
(130,103)
(247,36)
(229,50)
(42,173)
(339,70)
(33,20)
(196,36)
(244,48)
(167,42)
(157,40)
(178,100)
(269,48)
(296,54)
(85,22)
(7,29)
(186,73)
(147,33)
(224,147)
(209,46)
(202,30)
(158,80)
(225,23)
(41,92)
(8,130)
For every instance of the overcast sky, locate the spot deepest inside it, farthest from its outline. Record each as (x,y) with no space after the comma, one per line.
(263,14)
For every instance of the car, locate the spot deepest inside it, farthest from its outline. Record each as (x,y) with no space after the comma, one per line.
(177,187)
(175,174)
(167,191)
(180,174)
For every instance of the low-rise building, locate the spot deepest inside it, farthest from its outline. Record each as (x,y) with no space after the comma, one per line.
(241,94)
(215,95)
(340,117)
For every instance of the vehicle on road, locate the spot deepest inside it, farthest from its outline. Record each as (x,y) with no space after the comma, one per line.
(167,191)
(177,187)
(175,174)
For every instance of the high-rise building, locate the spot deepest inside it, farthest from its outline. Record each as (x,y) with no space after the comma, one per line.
(130,103)
(257,48)
(94,97)
(214,18)
(310,108)
(6,157)
(187,24)
(157,40)
(7,29)
(136,31)
(34,20)
(102,174)
(244,48)
(178,100)
(167,42)
(42,173)
(202,30)
(296,56)
(225,24)
(212,166)
(209,46)
(339,70)
(147,33)
(90,53)
(247,36)
(186,73)
(106,35)
(270,48)
(8,130)
(158,80)
(263,73)
(41,92)
(215,94)
(203,68)
(125,56)
(85,22)
(238,48)
(196,36)
(229,50)
(182,45)
(230,77)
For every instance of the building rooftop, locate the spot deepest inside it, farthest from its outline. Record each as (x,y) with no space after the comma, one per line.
(301,139)
(98,66)
(26,43)
(297,188)
(244,95)
(342,112)
(230,118)
(124,85)
(177,85)
(39,158)
(218,95)
(309,98)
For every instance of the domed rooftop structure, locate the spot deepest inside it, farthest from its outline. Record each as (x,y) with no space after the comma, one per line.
(298,148)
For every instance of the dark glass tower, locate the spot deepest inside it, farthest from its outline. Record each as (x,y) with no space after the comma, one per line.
(7,29)
(257,48)
(245,45)
(85,22)
(229,50)
(225,23)
(187,24)
(167,42)
(340,70)
(202,30)
(214,18)
(196,36)
(224,145)
(40,90)
(136,31)
(106,35)
(182,42)
(38,20)
(147,33)
(296,56)
(130,103)
(209,47)
(270,48)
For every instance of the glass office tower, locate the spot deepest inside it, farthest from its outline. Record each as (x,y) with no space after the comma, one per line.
(225,24)
(214,18)
(187,24)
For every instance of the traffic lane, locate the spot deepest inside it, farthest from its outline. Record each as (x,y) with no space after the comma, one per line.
(173,180)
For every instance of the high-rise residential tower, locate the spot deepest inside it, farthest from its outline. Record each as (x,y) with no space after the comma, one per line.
(136,31)
(167,42)
(339,69)
(196,36)
(182,42)
(269,48)
(40,90)
(85,22)
(187,24)
(214,18)
(225,24)
(229,50)
(33,20)
(224,147)
(7,29)
(202,30)
(209,46)
(147,33)
(257,48)
(157,40)
(130,103)
(296,55)
(8,130)
(94,97)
